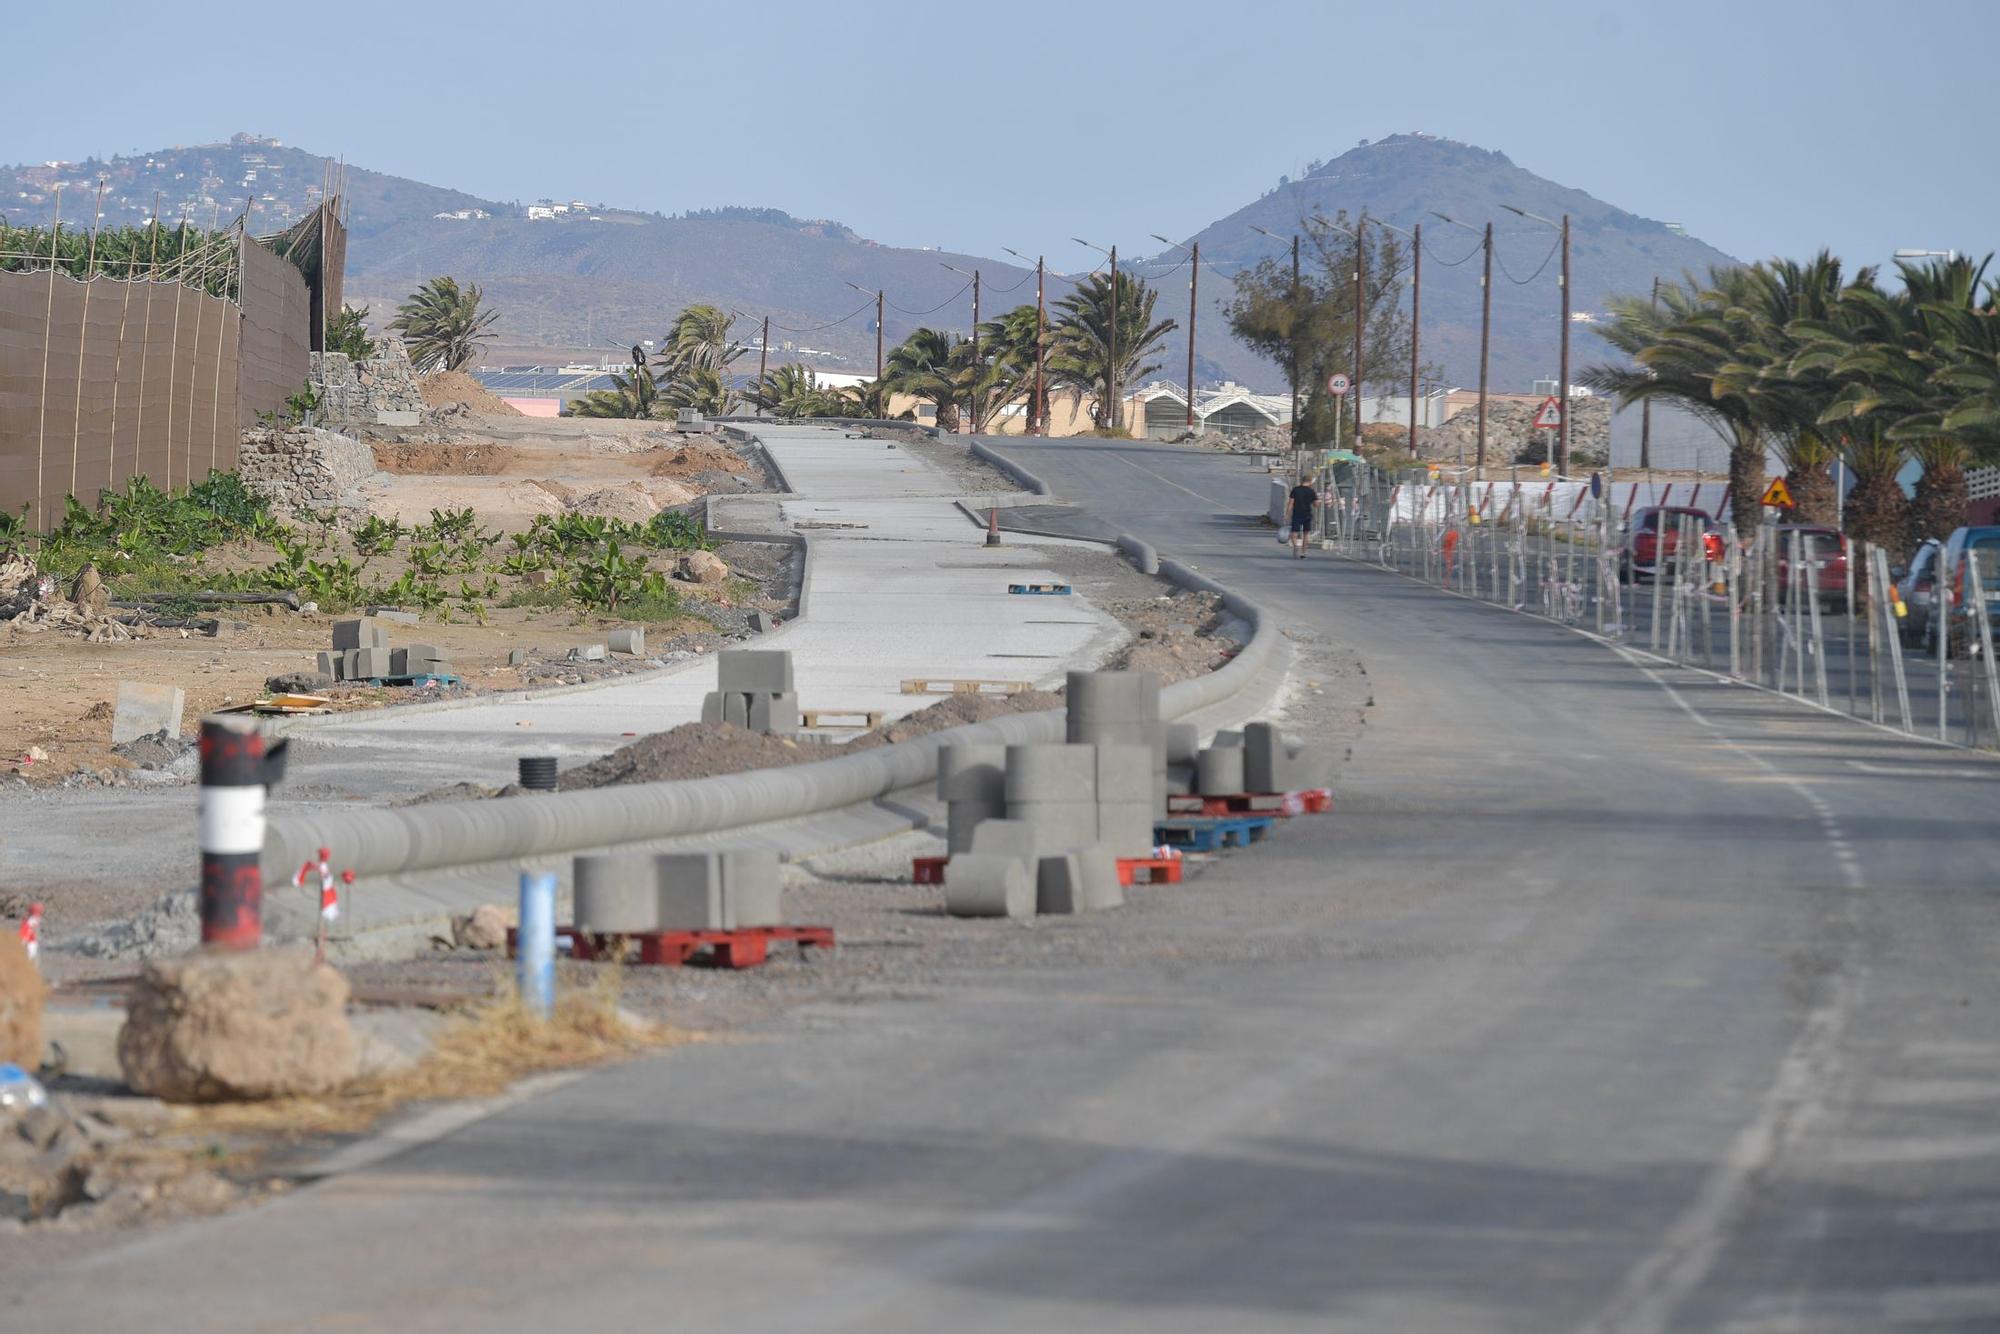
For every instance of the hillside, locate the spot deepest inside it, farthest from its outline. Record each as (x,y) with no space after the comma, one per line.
(573,278)
(1402,179)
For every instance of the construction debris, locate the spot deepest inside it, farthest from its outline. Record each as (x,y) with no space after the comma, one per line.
(21,996)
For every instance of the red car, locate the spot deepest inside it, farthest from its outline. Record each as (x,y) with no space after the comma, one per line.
(1823,551)
(1654,536)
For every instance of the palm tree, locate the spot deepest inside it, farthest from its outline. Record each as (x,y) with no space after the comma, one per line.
(443,325)
(1894,352)
(922,366)
(634,394)
(702,389)
(1007,375)
(1677,350)
(1782,304)
(792,390)
(1079,355)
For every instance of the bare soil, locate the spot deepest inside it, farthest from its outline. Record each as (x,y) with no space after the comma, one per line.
(445,387)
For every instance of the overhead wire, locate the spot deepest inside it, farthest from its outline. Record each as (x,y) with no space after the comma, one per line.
(1523,282)
(815,328)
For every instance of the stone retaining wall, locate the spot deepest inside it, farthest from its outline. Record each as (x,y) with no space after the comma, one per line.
(361,392)
(303,467)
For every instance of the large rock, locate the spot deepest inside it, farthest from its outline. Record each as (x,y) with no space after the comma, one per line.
(226,1027)
(701,567)
(21,993)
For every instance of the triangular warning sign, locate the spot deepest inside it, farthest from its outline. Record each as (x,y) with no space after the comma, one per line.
(1777,495)
(1549,416)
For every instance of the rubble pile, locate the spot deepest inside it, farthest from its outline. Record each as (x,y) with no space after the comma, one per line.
(31,602)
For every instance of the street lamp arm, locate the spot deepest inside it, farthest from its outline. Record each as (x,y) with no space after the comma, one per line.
(1533,217)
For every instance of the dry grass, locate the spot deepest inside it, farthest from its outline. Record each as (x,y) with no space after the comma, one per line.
(480,1053)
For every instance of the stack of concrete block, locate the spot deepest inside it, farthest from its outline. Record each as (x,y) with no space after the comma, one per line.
(1183,744)
(754,689)
(1259,760)
(1119,708)
(1011,870)
(638,893)
(361,652)
(972,784)
(1053,787)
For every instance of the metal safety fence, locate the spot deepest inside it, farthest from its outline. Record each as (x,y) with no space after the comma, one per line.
(1798,609)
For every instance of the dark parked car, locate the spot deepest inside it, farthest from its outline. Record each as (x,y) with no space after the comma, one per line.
(1914,585)
(1823,551)
(1964,547)
(1654,536)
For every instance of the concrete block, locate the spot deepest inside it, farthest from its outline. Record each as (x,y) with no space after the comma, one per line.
(711,707)
(517,657)
(1226,741)
(397,417)
(1101,890)
(393,616)
(399,661)
(984,884)
(1183,742)
(144,709)
(629,642)
(774,715)
(761,623)
(1268,759)
(1059,885)
(329,663)
(425,653)
(1004,838)
(1124,773)
(616,892)
(1049,771)
(961,818)
(348,660)
(370,663)
(363,632)
(1219,771)
(691,896)
(752,888)
(1109,697)
(1099,732)
(587,653)
(972,773)
(750,670)
(1125,828)
(1180,779)
(736,709)
(1058,825)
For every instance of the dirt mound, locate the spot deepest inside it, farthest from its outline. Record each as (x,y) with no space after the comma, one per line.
(434,460)
(458,387)
(696,460)
(1173,637)
(955,711)
(695,750)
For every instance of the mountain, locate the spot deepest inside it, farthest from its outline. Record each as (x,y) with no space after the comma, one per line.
(573,278)
(1406,179)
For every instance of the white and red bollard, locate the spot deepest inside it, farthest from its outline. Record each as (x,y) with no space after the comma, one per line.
(31,932)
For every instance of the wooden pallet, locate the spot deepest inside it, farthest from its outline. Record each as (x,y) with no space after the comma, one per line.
(1040,590)
(1206,835)
(1310,801)
(744,947)
(927,870)
(1159,870)
(868,718)
(963,685)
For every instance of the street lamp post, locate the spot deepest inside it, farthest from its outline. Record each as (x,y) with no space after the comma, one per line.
(1485,329)
(1194,279)
(972,394)
(1292,370)
(1415,231)
(1562,385)
(1037,419)
(1111,406)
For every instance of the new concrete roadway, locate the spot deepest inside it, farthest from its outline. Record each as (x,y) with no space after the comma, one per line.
(1609,999)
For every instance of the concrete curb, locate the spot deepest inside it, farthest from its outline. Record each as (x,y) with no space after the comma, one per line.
(982,450)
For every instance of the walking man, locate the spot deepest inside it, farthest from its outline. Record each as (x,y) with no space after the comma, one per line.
(1304,501)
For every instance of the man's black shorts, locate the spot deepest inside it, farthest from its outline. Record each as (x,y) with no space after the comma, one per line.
(1301,523)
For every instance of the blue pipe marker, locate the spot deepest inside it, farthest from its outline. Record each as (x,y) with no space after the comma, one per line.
(537,939)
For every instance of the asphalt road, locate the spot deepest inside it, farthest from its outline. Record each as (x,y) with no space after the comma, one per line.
(1609,998)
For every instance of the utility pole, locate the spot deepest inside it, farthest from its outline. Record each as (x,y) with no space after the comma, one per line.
(1112,370)
(881,398)
(1646,409)
(1037,415)
(1562,465)
(1194,281)
(976,364)
(1485,328)
(763,363)
(1416,320)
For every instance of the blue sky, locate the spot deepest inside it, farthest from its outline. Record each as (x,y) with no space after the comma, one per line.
(1764,126)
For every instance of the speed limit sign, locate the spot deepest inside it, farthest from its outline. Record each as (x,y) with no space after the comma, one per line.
(1336,384)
